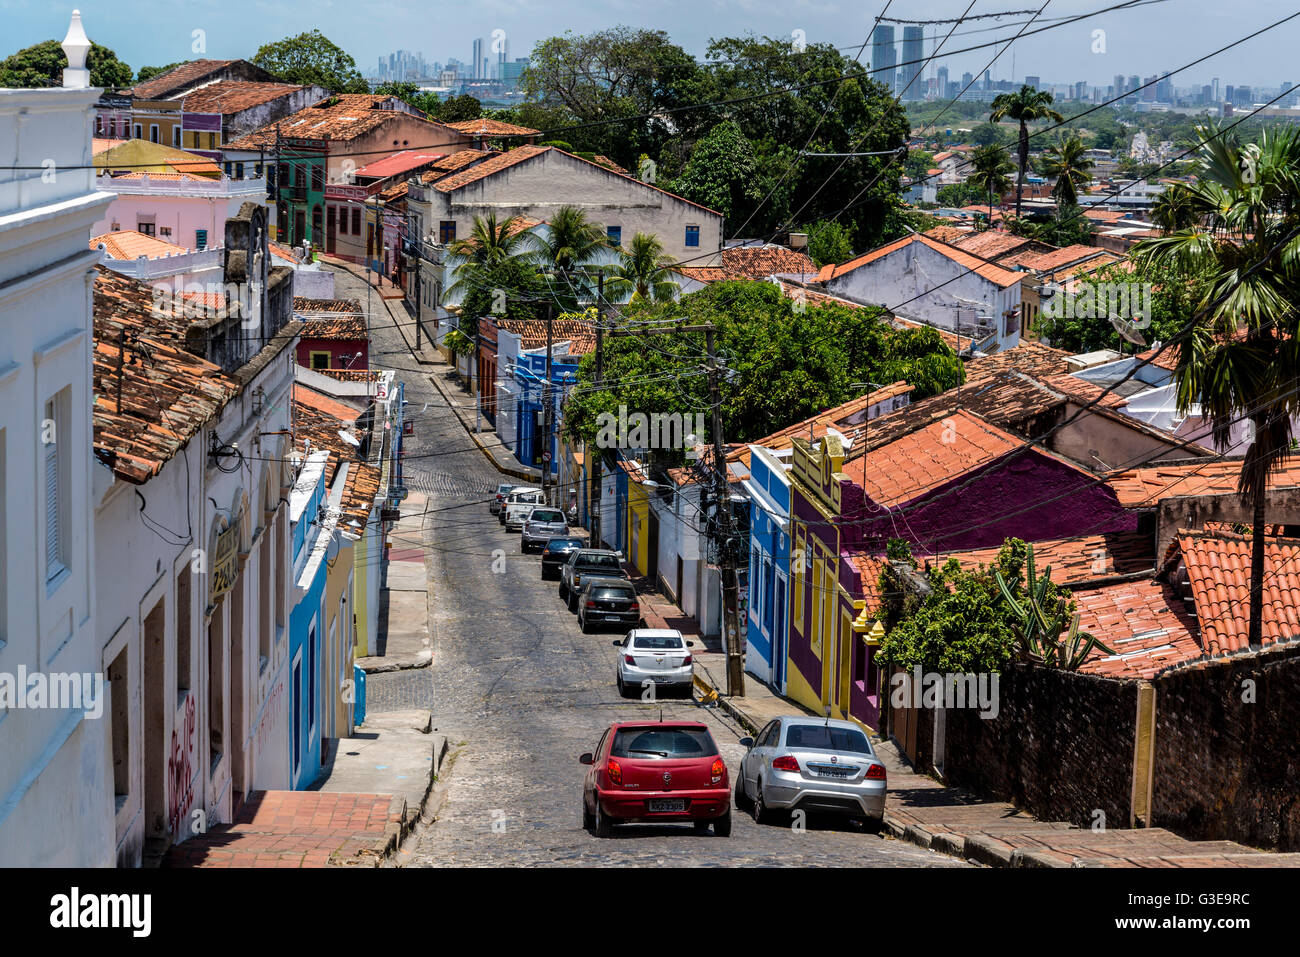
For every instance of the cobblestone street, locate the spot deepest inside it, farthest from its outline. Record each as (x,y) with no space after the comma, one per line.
(520,692)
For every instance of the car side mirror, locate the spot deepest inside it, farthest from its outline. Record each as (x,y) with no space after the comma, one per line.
(747,742)
(690,644)
(617,642)
(587,758)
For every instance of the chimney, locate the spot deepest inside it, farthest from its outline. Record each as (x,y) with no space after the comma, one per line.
(76,45)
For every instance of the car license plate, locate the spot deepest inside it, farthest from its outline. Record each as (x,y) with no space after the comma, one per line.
(669,804)
(611,617)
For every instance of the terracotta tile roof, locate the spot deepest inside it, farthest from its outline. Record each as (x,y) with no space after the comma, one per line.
(1143,622)
(345,329)
(1217,570)
(313,404)
(350,375)
(759,262)
(521,154)
(131,244)
(1083,390)
(1073,561)
(317,420)
(1030,357)
(349,307)
(1167,359)
(358,501)
(580,334)
(284,252)
(1144,487)
(394,192)
(167,392)
(488,167)
(992,244)
(868,568)
(162,176)
(342,117)
(912,465)
(486,127)
(705,273)
(608,163)
(846,419)
(1058,259)
(101,143)
(159,86)
(455,161)
(993,273)
(234,96)
(948,234)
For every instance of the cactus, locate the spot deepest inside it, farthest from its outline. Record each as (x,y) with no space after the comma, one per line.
(1041,621)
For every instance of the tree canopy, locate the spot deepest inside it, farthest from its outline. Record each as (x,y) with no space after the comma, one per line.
(312,58)
(43,63)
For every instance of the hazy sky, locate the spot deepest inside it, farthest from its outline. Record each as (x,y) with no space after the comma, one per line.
(1153,38)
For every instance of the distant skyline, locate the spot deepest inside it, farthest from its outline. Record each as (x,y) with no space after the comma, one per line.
(1146,40)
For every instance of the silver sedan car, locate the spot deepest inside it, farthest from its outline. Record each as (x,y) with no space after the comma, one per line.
(654,656)
(811,764)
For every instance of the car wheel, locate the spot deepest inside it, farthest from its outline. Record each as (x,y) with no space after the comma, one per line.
(722,825)
(588,819)
(564,589)
(573,602)
(585,625)
(874,824)
(762,815)
(701,827)
(604,826)
(622,688)
(743,802)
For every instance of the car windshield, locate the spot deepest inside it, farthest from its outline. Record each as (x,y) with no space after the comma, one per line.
(827,738)
(563,544)
(545,515)
(599,561)
(663,743)
(658,642)
(504,489)
(623,593)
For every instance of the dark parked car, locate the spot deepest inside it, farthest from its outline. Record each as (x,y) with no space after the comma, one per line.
(584,562)
(555,553)
(603,602)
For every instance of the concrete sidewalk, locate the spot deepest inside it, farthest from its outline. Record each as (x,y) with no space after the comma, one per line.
(403,640)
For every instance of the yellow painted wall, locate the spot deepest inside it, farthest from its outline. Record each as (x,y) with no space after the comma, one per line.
(638,507)
(364,565)
(798,689)
(336,621)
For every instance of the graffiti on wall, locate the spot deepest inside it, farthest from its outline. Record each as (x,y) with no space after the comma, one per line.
(180,766)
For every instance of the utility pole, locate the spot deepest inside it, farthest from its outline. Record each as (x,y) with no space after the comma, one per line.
(721,496)
(546,404)
(727,542)
(596,457)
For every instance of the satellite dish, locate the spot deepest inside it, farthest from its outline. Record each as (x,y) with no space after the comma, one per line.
(349,438)
(1048,290)
(1128,330)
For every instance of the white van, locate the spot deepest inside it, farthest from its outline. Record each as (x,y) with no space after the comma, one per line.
(519,503)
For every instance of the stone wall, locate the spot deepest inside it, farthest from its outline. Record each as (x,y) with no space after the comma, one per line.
(1060,747)
(1228,769)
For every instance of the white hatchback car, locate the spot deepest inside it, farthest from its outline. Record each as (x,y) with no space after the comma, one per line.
(518,504)
(658,656)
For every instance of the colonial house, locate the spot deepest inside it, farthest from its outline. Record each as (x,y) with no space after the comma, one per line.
(923,279)
(335,334)
(58,776)
(217,113)
(181,208)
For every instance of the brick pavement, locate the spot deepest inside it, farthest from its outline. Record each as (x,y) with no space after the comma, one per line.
(299,829)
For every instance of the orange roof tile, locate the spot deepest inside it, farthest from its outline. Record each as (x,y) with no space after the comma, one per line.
(990,271)
(1073,561)
(923,460)
(992,244)
(178,76)
(868,568)
(345,307)
(1144,487)
(455,161)
(167,393)
(486,127)
(234,96)
(1217,567)
(342,117)
(131,244)
(1143,622)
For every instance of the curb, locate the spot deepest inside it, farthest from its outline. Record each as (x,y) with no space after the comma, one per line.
(708,692)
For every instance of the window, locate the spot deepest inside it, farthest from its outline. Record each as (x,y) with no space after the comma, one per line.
(139,132)
(658,643)
(825,738)
(447,231)
(120,719)
(184,642)
(692,235)
(164,230)
(176,137)
(212,141)
(146,228)
(200,239)
(343,221)
(320,360)
(57,478)
(356,222)
(663,743)
(300,176)
(229,167)
(317,178)
(614,234)
(282,174)
(153,132)
(216,686)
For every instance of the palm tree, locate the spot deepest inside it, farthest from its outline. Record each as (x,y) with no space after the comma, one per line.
(490,243)
(643,273)
(571,242)
(991,173)
(1025,105)
(1172,211)
(1240,358)
(1067,160)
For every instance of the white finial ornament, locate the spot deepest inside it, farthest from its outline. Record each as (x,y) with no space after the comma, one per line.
(76,45)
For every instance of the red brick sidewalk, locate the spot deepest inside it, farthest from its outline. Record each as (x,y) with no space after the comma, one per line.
(299,829)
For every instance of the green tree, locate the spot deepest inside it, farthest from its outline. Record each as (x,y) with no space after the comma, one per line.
(721,174)
(1241,357)
(456,109)
(988,134)
(643,273)
(564,253)
(990,173)
(1067,162)
(493,273)
(43,64)
(829,241)
(311,58)
(1173,210)
(1027,105)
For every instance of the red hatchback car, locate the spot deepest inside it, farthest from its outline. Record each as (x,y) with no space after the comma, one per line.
(648,772)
